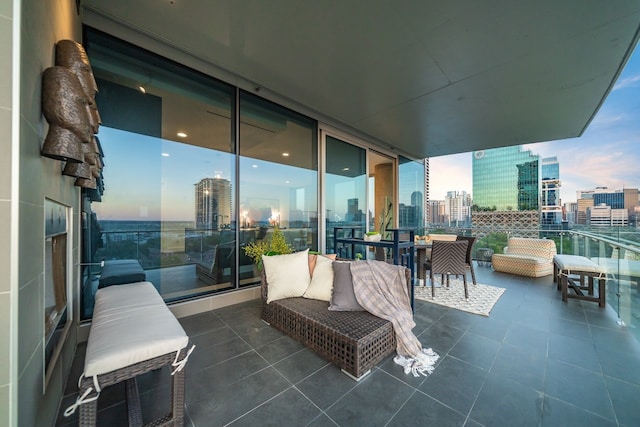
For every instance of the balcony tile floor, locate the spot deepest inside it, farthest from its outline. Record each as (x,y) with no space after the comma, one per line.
(535,361)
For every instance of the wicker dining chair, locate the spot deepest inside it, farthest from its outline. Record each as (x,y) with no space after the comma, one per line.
(448,258)
(468,259)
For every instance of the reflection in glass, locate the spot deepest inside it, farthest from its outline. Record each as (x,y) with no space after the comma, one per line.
(169,173)
(411,195)
(345,189)
(278,178)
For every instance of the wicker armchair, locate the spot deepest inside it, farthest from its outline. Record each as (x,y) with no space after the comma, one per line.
(448,258)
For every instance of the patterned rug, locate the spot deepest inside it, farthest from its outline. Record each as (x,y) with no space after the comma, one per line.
(482,298)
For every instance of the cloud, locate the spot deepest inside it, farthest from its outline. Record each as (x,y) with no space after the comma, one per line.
(631,81)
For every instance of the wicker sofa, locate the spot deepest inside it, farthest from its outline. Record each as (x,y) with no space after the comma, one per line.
(355,341)
(526,257)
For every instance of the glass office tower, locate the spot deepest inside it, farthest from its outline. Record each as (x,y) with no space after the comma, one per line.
(505,179)
(551,202)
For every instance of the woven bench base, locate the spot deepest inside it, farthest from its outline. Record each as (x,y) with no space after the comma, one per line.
(88,411)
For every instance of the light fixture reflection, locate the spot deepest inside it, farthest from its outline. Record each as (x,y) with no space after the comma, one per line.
(142,89)
(181,134)
(165,154)
(285,154)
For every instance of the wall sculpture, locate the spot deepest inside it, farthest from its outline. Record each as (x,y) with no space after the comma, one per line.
(69,106)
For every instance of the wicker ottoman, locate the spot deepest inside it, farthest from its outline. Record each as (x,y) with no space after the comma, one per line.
(132,332)
(355,341)
(578,273)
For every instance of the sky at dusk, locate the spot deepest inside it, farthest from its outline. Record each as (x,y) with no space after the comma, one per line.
(606,155)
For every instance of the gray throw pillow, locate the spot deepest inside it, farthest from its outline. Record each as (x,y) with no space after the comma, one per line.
(343,298)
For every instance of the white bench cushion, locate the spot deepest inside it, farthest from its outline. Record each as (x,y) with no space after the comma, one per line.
(131,324)
(570,263)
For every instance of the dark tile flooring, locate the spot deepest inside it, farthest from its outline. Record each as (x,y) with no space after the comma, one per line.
(535,361)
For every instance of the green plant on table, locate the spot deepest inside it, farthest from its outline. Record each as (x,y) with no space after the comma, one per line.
(276,244)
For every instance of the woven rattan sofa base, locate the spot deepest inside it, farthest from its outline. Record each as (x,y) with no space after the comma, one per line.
(355,341)
(88,411)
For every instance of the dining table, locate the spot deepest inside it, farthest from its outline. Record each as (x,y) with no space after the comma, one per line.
(421,248)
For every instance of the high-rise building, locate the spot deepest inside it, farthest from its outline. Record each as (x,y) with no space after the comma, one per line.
(411,216)
(506,184)
(458,208)
(505,179)
(213,203)
(354,213)
(584,204)
(436,209)
(550,205)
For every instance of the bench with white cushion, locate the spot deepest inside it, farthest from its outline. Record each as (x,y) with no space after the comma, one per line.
(132,332)
(578,273)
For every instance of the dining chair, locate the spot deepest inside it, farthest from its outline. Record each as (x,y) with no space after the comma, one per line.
(468,259)
(448,258)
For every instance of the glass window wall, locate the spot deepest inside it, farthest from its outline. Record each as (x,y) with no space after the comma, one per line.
(169,172)
(278,178)
(411,194)
(345,186)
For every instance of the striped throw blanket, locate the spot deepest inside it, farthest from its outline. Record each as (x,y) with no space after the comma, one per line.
(381,289)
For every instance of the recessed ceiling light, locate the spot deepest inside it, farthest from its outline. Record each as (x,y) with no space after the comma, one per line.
(165,154)
(345,169)
(254,166)
(142,89)
(182,134)
(285,154)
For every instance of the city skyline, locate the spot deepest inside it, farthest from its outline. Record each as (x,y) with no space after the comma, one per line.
(606,155)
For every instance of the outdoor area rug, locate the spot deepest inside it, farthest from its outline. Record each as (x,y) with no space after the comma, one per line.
(482,298)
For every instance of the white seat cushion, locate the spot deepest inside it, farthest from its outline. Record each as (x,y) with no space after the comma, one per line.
(570,263)
(131,324)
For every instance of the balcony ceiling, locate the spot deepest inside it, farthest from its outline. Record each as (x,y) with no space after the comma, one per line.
(426,77)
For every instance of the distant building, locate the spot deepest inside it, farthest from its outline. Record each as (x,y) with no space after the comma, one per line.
(604,216)
(602,197)
(506,191)
(550,205)
(457,209)
(213,204)
(437,214)
(354,213)
(583,205)
(411,216)
(505,179)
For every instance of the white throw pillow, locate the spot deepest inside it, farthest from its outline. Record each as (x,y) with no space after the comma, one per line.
(287,275)
(321,284)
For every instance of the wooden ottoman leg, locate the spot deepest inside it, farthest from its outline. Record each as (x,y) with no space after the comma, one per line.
(602,295)
(564,284)
(590,279)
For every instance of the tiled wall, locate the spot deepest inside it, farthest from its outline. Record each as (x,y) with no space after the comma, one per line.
(6,24)
(41,24)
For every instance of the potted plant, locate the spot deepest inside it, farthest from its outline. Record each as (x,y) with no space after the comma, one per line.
(372,236)
(276,244)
